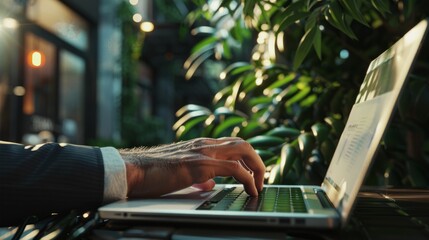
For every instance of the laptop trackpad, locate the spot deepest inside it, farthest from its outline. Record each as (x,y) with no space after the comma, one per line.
(185,199)
(189,193)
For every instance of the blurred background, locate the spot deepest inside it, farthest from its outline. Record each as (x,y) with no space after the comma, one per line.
(282,74)
(93,72)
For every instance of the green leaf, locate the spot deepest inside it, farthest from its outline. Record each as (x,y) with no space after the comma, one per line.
(352,7)
(265,154)
(337,19)
(381,5)
(291,9)
(263,141)
(222,94)
(283,81)
(312,19)
(327,149)
(304,47)
(249,82)
(320,131)
(203,29)
(317,43)
(306,143)
(260,100)
(251,128)
(198,61)
(235,93)
(227,111)
(311,4)
(260,110)
(286,93)
(226,50)
(264,18)
(309,101)
(288,156)
(275,175)
(220,130)
(188,126)
(190,108)
(289,20)
(336,124)
(244,68)
(284,132)
(187,117)
(248,7)
(299,96)
(207,43)
(235,69)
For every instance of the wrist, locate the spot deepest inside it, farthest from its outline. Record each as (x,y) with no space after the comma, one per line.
(133,173)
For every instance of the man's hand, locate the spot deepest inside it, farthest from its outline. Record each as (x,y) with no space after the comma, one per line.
(156,171)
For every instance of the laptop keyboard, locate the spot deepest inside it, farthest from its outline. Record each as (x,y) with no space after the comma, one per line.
(271,199)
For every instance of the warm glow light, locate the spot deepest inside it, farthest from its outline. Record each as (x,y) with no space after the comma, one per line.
(265,27)
(272,46)
(222,75)
(137,17)
(210,120)
(280,41)
(256,56)
(19,91)
(10,23)
(262,36)
(147,26)
(134,2)
(242,95)
(36,59)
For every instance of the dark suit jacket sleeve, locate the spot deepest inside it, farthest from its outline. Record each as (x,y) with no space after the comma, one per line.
(42,179)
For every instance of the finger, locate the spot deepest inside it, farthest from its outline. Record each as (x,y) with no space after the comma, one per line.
(236,148)
(243,176)
(205,186)
(228,168)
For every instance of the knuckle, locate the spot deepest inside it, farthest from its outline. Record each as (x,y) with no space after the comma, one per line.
(235,165)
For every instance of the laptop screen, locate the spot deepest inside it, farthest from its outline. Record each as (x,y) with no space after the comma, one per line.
(369,118)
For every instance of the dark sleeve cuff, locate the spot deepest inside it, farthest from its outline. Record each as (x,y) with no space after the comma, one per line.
(38,180)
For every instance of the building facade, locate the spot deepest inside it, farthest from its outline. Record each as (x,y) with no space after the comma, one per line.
(59,72)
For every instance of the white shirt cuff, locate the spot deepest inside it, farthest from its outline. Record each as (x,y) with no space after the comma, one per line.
(115,178)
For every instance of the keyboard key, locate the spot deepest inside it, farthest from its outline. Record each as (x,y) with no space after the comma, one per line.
(270,199)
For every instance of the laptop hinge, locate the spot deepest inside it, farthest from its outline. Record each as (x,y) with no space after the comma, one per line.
(323,198)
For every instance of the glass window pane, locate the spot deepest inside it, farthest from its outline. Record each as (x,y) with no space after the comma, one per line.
(71,102)
(39,98)
(57,18)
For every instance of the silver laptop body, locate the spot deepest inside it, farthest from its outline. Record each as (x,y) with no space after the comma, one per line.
(328,205)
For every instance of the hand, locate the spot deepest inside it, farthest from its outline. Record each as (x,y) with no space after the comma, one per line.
(156,171)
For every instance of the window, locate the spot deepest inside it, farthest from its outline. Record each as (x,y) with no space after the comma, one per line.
(57,18)
(71,94)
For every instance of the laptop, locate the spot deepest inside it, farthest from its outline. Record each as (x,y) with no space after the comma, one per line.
(325,207)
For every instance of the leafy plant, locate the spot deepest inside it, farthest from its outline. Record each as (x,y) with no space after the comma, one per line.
(290,100)
(136,130)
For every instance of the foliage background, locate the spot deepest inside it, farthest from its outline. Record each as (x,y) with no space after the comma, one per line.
(291,96)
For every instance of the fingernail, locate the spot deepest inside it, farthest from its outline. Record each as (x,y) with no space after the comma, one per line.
(256,191)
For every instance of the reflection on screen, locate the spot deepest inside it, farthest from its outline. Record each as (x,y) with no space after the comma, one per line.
(378,81)
(369,118)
